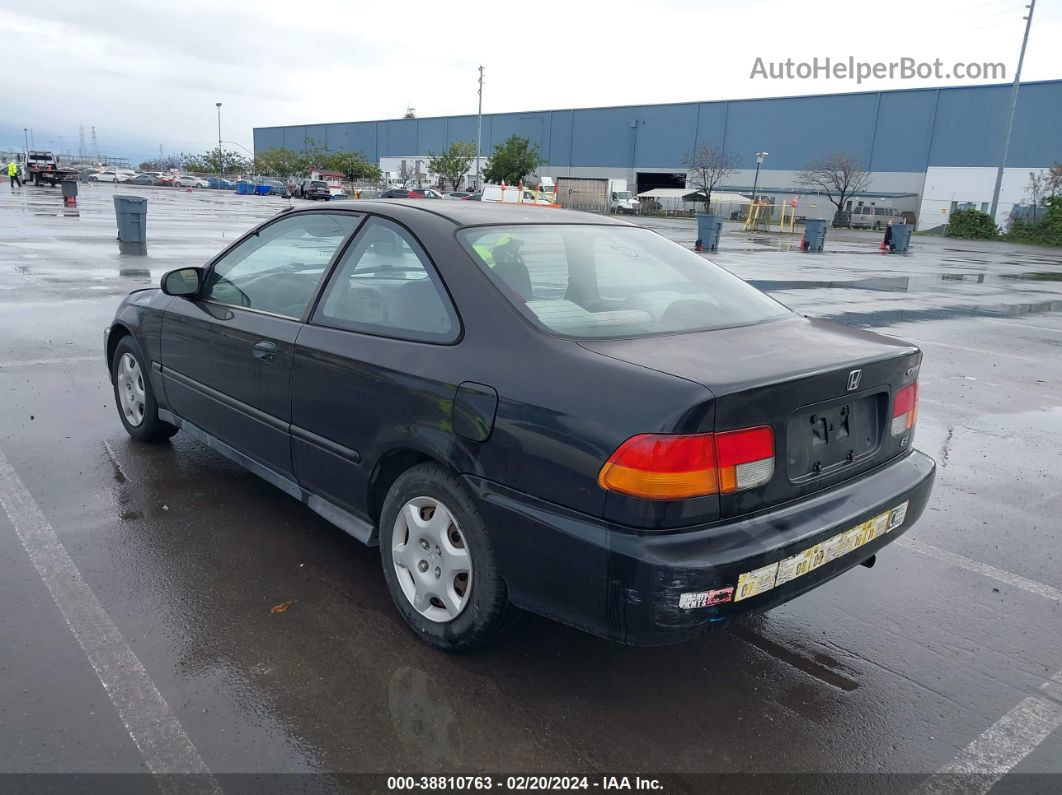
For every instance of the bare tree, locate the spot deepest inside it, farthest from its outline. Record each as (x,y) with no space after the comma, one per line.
(708,166)
(1054,179)
(1038,185)
(837,177)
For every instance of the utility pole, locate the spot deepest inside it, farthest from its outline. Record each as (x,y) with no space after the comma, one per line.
(479,131)
(160,157)
(25,136)
(221,154)
(1010,117)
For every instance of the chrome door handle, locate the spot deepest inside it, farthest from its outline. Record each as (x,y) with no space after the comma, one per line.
(266,351)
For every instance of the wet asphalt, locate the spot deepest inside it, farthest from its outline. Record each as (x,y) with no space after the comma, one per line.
(894,669)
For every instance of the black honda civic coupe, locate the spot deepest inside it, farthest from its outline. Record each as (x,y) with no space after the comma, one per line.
(533,408)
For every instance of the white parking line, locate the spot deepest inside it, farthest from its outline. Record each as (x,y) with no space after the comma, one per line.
(1025,325)
(978,766)
(8,365)
(1032,586)
(151,724)
(971,350)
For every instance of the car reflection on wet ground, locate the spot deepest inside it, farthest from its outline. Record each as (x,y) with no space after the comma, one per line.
(900,669)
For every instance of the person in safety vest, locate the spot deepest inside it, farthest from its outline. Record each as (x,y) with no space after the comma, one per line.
(12,172)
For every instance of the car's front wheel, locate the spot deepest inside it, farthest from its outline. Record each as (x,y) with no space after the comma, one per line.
(133,395)
(439,562)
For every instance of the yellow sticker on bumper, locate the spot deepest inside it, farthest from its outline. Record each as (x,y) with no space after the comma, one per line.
(757,581)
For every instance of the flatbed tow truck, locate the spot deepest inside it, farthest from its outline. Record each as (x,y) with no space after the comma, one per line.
(43,167)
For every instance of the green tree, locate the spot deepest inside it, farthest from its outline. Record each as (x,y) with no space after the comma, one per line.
(453,163)
(353,166)
(280,162)
(512,160)
(315,153)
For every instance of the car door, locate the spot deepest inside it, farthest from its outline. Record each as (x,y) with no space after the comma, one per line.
(373,365)
(227,354)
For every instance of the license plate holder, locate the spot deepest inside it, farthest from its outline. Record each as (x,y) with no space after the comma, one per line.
(828,437)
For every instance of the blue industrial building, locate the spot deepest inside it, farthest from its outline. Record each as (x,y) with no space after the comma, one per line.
(908,139)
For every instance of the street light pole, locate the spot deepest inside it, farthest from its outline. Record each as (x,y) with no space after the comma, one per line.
(221,154)
(756,182)
(479,130)
(1010,118)
(760,156)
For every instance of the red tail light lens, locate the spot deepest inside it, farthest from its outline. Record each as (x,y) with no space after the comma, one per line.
(674,467)
(905,409)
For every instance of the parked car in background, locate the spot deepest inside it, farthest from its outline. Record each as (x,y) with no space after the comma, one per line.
(395,193)
(167,179)
(314,189)
(109,176)
(457,194)
(144,178)
(423,193)
(473,197)
(512,195)
(276,187)
(675,450)
(868,216)
(220,183)
(189,181)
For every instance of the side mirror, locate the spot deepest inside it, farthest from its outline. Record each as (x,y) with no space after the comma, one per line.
(184,282)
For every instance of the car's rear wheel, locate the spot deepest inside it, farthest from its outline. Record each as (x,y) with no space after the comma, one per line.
(439,562)
(133,395)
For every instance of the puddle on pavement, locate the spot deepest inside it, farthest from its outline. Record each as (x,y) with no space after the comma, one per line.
(888,284)
(880,318)
(1039,276)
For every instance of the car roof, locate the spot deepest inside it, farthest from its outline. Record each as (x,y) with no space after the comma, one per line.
(464,213)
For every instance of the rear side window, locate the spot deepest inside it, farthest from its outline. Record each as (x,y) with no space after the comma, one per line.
(613,281)
(386,286)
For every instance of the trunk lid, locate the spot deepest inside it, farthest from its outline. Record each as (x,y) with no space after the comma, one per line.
(825,391)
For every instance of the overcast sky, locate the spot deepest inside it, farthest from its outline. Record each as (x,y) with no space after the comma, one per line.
(149,73)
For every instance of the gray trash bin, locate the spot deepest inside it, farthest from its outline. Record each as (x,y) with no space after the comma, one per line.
(815,234)
(901,238)
(131,212)
(69,189)
(709,230)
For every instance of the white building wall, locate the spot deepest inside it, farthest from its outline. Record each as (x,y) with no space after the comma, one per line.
(393,165)
(808,205)
(946,187)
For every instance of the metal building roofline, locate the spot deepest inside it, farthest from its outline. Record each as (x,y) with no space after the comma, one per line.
(673,104)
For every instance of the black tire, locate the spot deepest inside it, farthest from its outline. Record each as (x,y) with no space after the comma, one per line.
(488,614)
(151,428)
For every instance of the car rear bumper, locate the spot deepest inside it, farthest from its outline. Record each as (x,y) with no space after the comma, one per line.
(629,586)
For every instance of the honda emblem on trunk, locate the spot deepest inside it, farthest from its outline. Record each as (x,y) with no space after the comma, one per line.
(853,379)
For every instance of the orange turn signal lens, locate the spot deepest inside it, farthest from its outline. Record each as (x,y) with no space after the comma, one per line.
(674,467)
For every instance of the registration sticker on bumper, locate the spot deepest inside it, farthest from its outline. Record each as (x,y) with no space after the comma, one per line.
(757,581)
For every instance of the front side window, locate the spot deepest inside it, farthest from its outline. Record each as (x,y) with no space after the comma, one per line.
(613,281)
(386,286)
(278,269)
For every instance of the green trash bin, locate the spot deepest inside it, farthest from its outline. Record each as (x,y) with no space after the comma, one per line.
(131,213)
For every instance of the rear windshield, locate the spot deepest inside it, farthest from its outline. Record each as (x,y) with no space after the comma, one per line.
(316,184)
(590,282)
